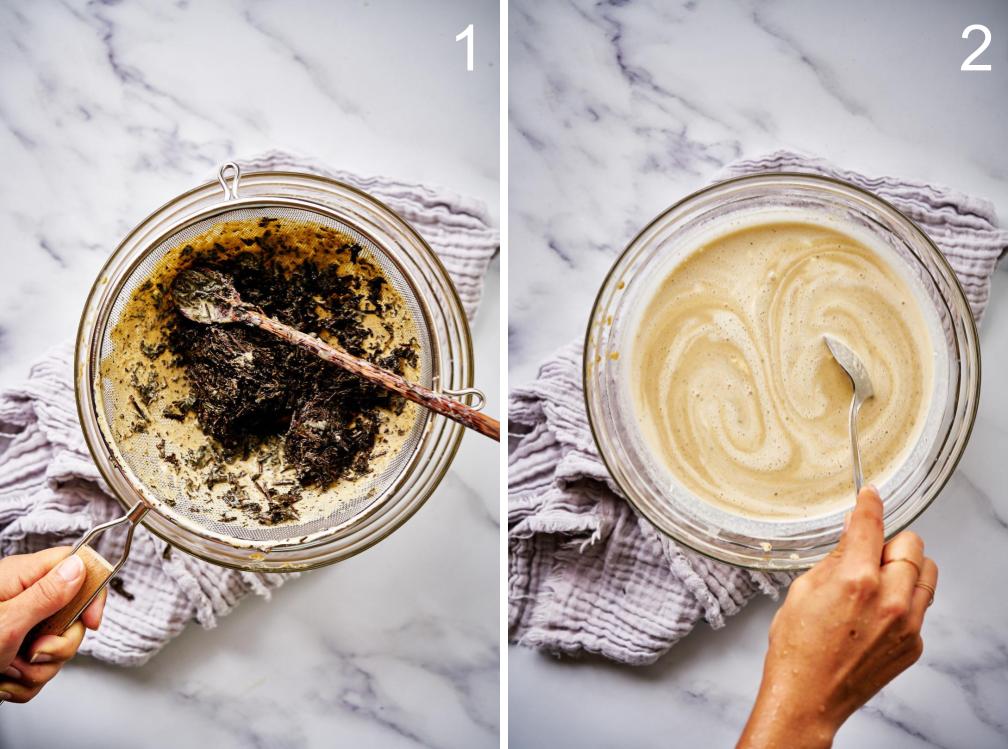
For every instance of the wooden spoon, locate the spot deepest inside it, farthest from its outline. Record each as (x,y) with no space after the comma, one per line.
(208,296)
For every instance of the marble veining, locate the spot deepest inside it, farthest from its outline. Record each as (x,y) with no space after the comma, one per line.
(109,109)
(659,96)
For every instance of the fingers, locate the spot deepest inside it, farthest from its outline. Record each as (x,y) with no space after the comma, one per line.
(92,615)
(46,596)
(14,691)
(51,648)
(922,597)
(23,679)
(861,543)
(905,545)
(20,571)
(902,560)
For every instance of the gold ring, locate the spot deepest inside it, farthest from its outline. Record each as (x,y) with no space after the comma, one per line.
(929,588)
(904,559)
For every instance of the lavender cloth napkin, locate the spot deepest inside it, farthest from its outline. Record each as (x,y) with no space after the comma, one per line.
(51,492)
(586,573)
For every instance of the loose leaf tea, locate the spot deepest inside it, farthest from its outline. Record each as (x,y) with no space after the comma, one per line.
(247,384)
(249,422)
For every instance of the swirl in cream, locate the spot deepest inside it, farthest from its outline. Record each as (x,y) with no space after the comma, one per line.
(738,395)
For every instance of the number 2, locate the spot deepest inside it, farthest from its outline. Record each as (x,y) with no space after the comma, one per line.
(968,62)
(467,34)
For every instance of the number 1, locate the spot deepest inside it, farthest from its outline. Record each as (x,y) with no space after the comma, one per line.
(467,34)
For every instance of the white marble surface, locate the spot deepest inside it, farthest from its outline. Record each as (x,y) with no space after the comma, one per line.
(106,111)
(618,110)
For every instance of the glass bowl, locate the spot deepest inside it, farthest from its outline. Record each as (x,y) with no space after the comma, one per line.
(651,488)
(451,370)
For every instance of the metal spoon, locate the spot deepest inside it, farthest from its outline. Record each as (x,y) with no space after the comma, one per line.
(207,296)
(855,369)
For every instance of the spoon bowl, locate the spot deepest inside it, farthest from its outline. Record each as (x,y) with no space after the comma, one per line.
(206,296)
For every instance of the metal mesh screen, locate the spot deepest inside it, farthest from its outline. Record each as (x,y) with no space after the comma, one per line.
(317,514)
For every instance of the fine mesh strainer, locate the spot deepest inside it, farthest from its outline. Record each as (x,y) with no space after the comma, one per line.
(328,528)
(142,460)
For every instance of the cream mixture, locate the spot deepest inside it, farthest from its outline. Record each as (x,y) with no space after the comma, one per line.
(735,389)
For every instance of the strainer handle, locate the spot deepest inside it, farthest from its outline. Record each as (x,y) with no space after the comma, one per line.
(98,572)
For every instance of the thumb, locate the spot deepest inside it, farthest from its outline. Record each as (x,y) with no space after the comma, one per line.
(48,594)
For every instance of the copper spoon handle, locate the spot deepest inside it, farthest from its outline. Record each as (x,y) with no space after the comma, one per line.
(437,402)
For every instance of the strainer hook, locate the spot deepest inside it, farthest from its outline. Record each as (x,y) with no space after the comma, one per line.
(478,398)
(230,191)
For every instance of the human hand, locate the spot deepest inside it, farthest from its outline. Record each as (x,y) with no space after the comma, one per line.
(32,588)
(848,627)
